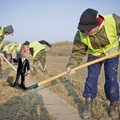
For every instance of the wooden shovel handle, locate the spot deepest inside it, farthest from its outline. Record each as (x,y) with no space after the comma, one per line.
(78,68)
(9,63)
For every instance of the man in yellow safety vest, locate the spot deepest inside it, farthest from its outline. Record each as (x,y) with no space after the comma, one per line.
(4,31)
(97,36)
(38,52)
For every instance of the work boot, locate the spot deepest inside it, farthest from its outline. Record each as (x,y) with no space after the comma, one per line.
(23,86)
(113,112)
(87,108)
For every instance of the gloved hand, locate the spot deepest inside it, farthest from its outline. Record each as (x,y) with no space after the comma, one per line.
(70,71)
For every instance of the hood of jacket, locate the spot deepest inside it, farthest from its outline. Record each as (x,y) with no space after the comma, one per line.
(9,29)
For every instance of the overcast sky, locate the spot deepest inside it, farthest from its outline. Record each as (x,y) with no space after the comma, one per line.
(51,20)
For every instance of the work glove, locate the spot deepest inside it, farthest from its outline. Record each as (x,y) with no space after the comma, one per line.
(70,71)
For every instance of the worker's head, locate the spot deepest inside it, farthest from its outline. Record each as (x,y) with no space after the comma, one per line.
(26,43)
(24,51)
(8,30)
(89,21)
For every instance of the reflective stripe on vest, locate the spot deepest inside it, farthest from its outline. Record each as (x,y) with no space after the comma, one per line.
(110,28)
(37,47)
(1,33)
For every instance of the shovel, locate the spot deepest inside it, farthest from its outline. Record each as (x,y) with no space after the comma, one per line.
(10,64)
(9,79)
(76,68)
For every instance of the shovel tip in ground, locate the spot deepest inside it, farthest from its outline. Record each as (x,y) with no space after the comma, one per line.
(32,86)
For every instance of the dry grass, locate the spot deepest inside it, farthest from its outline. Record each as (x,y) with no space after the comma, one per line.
(60,49)
(18,105)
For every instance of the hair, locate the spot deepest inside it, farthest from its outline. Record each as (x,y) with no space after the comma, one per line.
(26,43)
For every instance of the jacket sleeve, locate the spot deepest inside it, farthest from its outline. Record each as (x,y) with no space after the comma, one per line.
(117,21)
(78,52)
(45,42)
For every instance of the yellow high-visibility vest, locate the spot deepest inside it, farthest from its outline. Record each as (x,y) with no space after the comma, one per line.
(5,49)
(18,48)
(11,47)
(110,28)
(1,33)
(37,47)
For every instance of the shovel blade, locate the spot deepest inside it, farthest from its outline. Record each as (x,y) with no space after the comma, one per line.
(32,86)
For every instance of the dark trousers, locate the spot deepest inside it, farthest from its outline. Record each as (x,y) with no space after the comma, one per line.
(22,79)
(111,86)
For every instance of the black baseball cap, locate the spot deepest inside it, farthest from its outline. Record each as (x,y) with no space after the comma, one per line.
(88,20)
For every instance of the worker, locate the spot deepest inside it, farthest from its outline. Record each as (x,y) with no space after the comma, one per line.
(97,36)
(38,52)
(13,48)
(4,31)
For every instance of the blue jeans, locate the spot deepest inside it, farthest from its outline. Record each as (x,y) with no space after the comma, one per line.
(111,86)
